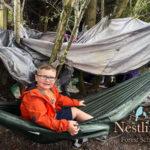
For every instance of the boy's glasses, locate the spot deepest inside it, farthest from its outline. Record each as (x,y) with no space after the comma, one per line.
(44,77)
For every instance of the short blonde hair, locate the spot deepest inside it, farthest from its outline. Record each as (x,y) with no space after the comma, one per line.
(45,66)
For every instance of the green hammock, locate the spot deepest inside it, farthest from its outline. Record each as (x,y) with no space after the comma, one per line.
(107,107)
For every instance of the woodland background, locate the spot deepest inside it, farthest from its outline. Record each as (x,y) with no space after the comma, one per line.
(50,15)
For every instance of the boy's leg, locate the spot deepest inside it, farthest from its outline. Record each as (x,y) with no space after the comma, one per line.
(80,115)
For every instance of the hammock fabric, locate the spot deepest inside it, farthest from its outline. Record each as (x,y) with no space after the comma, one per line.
(107,107)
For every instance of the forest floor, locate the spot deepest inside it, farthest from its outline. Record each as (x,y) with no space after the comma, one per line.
(15,141)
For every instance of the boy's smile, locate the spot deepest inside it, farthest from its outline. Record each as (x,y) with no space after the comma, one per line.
(45,79)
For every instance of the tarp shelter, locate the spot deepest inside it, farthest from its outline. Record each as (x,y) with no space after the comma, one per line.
(111,47)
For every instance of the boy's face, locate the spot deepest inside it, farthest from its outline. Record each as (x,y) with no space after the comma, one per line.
(45,79)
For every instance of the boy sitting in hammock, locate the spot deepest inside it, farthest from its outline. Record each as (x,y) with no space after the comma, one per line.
(45,106)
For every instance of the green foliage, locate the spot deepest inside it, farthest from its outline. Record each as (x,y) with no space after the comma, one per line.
(10,19)
(139,9)
(142,10)
(49,18)
(46,13)
(42,14)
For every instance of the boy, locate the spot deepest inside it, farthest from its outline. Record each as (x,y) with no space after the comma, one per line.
(44,104)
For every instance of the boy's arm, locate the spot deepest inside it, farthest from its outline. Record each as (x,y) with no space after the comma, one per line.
(65,100)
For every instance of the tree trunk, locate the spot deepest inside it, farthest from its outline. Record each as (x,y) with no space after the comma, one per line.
(17,20)
(79,10)
(119,8)
(3,16)
(102,8)
(90,22)
(90,14)
(46,20)
(61,28)
(82,88)
(22,10)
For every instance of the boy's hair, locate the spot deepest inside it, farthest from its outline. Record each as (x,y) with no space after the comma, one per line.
(46,67)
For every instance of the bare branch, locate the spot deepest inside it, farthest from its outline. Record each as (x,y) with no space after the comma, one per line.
(23,4)
(6,5)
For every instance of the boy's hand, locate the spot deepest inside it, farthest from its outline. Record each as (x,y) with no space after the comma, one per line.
(81,103)
(73,128)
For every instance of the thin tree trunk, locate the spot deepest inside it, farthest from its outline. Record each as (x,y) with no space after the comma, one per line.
(61,29)
(79,11)
(120,7)
(6,5)
(3,16)
(130,3)
(102,8)
(17,20)
(82,88)
(90,22)
(22,9)
(90,14)
(46,20)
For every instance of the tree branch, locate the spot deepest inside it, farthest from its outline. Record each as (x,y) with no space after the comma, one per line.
(79,11)
(6,5)
(61,29)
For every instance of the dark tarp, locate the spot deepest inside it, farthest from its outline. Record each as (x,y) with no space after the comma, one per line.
(19,62)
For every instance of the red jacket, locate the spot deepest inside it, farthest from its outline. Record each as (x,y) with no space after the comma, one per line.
(37,107)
